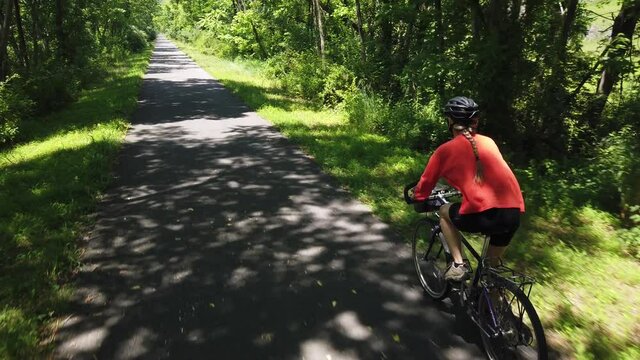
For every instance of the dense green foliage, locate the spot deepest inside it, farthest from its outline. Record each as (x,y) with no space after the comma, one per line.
(50,50)
(47,187)
(551,87)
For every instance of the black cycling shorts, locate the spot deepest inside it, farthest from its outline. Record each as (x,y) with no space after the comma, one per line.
(499,224)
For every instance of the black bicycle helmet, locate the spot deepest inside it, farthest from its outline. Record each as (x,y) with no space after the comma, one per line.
(461,109)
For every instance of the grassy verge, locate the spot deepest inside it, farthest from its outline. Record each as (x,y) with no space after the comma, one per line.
(588,289)
(48,185)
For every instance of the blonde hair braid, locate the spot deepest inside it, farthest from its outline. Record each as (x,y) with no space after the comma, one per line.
(479,168)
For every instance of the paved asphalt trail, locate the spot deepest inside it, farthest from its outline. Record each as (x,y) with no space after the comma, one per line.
(221,240)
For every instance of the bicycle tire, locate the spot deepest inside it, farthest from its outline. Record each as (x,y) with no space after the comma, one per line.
(430,259)
(514,338)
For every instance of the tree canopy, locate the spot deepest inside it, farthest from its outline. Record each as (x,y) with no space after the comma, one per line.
(550,84)
(49,49)
(522,60)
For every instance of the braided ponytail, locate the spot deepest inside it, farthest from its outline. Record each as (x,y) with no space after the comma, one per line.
(479,168)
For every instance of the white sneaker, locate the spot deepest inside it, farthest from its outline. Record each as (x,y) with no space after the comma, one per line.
(456,272)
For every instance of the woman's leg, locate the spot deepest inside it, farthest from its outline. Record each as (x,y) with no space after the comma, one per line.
(506,219)
(451,234)
(494,254)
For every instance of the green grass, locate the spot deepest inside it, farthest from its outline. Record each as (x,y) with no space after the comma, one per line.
(588,289)
(48,186)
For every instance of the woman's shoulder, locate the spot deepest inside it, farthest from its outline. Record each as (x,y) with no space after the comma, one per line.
(447,144)
(484,139)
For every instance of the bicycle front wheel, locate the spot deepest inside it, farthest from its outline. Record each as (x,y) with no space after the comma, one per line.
(430,258)
(509,325)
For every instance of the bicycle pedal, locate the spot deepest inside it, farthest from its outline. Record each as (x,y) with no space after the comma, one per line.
(462,281)
(458,285)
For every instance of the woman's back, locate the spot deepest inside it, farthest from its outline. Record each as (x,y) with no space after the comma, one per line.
(498,187)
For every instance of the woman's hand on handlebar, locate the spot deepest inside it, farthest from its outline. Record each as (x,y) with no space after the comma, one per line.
(409,192)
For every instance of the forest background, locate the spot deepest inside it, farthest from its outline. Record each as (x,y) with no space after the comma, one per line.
(359,84)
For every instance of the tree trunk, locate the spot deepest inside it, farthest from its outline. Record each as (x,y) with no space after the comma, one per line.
(440,36)
(556,96)
(4,39)
(569,19)
(60,35)
(13,43)
(363,52)
(385,44)
(35,33)
(530,9)
(402,57)
(22,42)
(501,43)
(318,21)
(624,25)
(263,52)
(516,5)
(478,21)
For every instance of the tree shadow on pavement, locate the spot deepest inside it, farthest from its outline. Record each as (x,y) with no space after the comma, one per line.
(244,249)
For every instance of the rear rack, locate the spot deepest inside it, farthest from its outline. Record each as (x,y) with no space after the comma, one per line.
(522,281)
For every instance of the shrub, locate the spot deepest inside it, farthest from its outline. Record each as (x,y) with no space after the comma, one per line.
(206,42)
(14,107)
(152,34)
(209,43)
(18,334)
(300,74)
(417,126)
(53,87)
(430,130)
(338,82)
(617,164)
(630,237)
(136,39)
(364,109)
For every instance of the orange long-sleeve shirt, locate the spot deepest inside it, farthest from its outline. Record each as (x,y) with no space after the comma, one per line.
(454,161)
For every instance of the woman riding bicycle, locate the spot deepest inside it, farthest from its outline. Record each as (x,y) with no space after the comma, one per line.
(491,197)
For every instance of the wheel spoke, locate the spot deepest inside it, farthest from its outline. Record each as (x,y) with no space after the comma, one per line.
(429,258)
(520,334)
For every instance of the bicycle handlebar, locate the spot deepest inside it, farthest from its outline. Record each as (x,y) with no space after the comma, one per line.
(407,188)
(440,192)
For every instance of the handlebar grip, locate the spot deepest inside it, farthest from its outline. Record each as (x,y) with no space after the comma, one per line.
(408,199)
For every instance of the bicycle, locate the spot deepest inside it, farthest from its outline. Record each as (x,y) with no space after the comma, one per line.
(496,298)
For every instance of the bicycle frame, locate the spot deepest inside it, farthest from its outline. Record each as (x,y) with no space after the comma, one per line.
(479,257)
(477,276)
(492,287)
(522,281)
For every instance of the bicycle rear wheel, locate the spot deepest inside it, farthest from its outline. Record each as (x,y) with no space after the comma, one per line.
(430,258)
(509,325)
